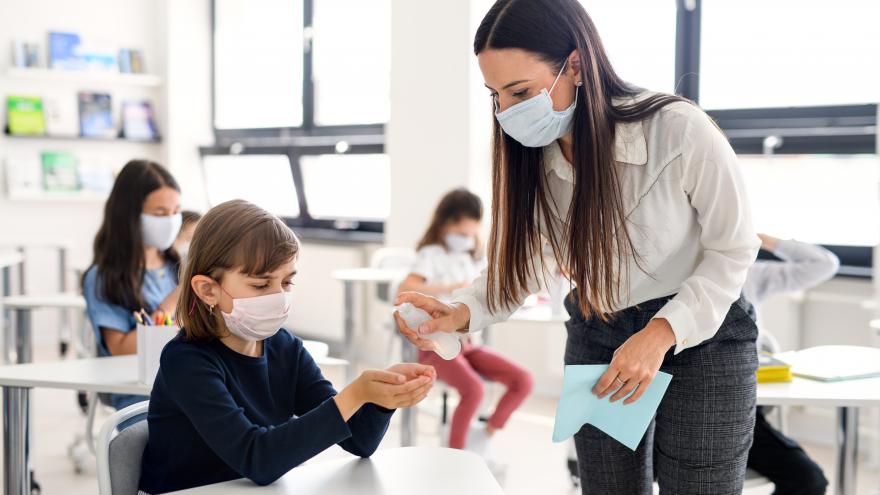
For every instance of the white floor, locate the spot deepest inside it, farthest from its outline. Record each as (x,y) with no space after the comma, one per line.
(535,464)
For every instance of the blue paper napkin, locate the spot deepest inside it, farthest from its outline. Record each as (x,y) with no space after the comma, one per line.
(625,423)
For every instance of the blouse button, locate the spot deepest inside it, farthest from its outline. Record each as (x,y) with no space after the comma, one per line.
(685,341)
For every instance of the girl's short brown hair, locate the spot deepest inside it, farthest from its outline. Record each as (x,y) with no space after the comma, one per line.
(233,235)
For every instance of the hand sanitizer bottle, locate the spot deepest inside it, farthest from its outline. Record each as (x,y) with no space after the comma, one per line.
(448,345)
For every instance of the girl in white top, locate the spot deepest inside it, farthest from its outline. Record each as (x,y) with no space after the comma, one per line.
(450,258)
(639,197)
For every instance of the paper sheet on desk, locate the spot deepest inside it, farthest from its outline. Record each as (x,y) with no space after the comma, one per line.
(578,406)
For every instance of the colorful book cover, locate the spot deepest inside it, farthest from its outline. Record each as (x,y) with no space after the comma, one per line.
(95,115)
(138,121)
(64,51)
(59,171)
(24,116)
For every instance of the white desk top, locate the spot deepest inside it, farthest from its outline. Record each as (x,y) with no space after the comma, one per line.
(806,392)
(36,301)
(397,471)
(369,275)
(10,258)
(118,374)
(109,375)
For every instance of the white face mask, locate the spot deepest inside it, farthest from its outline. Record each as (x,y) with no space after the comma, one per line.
(258,318)
(160,231)
(533,122)
(459,243)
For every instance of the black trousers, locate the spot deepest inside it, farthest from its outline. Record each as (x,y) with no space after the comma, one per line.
(782,461)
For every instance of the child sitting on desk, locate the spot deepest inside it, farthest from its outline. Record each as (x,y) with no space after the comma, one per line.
(134,265)
(236,395)
(449,258)
(800,266)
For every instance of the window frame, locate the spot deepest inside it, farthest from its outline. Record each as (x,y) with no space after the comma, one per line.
(305,225)
(829,129)
(836,129)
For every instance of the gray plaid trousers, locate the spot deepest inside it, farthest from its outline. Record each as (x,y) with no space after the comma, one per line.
(699,440)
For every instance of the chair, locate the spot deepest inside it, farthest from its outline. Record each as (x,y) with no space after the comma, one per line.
(119,453)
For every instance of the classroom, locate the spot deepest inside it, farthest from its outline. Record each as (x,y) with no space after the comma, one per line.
(470,247)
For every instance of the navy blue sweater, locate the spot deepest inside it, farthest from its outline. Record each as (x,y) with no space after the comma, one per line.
(217,415)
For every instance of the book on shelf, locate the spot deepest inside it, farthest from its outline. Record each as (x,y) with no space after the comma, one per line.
(95,115)
(24,116)
(131,61)
(60,172)
(138,122)
(25,54)
(61,115)
(64,51)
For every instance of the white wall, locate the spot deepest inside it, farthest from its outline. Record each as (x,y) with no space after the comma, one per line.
(436,141)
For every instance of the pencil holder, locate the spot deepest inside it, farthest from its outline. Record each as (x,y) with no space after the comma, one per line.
(151,339)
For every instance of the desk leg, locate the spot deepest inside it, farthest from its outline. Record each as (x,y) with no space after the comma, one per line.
(23,346)
(6,323)
(847,448)
(348,327)
(408,354)
(16,404)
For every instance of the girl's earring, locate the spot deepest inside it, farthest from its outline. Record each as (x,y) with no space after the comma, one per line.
(211,309)
(579,83)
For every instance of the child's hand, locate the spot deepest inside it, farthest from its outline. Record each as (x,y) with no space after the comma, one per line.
(413,370)
(393,390)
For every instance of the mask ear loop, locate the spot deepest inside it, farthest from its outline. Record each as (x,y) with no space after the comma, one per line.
(558,76)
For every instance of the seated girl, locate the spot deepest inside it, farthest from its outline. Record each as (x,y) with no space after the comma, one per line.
(134,265)
(448,259)
(236,395)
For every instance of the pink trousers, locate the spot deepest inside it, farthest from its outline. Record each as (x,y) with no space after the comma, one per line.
(464,374)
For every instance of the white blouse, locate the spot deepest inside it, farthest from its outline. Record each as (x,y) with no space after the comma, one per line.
(439,266)
(687,215)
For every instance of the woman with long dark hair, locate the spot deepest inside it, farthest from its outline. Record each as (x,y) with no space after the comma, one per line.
(639,199)
(135,265)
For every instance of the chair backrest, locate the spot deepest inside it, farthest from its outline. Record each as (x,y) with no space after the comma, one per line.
(119,453)
(391,258)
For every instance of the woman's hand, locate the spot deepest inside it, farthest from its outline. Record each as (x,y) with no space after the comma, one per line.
(446,318)
(636,362)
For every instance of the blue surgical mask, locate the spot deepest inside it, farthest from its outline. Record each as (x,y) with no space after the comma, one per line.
(533,122)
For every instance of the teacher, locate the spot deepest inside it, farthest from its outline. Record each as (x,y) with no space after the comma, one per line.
(638,198)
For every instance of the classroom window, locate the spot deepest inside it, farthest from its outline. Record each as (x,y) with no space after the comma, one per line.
(258,64)
(347,187)
(758,54)
(351,47)
(821,199)
(639,37)
(265,180)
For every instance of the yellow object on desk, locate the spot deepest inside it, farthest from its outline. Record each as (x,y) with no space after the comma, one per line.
(772,370)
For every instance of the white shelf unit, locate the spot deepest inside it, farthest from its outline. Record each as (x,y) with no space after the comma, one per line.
(85,77)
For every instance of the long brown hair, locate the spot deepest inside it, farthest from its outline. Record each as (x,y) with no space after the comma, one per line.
(594,233)
(119,245)
(233,235)
(453,206)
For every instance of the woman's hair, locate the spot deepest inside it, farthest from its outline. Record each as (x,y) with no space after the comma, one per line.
(594,234)
(189,217)
(455,205)
(235,235)
(119,245)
